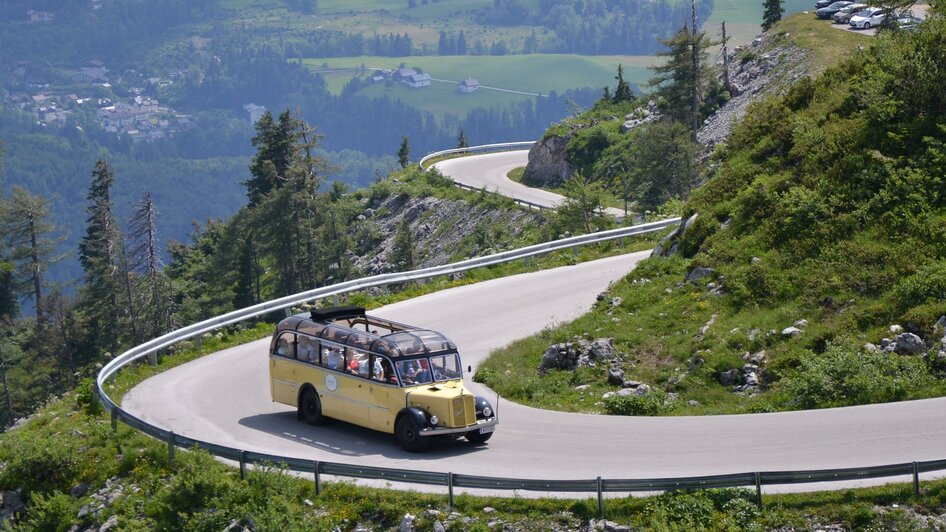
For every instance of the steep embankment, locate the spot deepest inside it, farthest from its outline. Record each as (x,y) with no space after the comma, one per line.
(812,270)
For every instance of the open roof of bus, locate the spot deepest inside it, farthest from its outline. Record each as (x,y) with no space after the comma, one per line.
(351,326)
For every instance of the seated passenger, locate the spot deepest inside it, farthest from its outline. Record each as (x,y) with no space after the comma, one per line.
(332,358)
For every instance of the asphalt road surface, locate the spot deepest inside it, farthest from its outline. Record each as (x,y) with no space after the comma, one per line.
(489,171)
(224,398)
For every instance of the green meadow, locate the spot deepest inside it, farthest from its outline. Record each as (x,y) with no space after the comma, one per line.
(536,73)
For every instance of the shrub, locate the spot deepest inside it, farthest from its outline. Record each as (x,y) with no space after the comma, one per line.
(928,284)
(635,405)
(843,375)
(86,397)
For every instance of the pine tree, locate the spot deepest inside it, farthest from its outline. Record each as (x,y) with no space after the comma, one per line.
(402,251)
(461,141)
(275,145)
(404,152)
(772,13)
(145,262)
(622,93)
(24,222)
(679,80)
(98,255)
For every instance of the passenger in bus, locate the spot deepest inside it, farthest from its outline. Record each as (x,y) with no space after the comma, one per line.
(332,358)
(422,374)
(283,348)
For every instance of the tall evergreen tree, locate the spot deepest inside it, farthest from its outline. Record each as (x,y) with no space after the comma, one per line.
(24,222)
(404,152)
(680,79)
(462,142)
(98,255)
(145,263)
(772,13)
(622,93)
(275,151)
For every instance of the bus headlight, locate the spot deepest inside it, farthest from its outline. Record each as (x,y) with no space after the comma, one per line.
(487,412)
(434,420)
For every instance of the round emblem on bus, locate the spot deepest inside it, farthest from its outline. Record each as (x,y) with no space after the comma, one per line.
(331,382)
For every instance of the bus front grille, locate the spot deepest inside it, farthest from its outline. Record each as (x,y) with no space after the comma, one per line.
(463,411)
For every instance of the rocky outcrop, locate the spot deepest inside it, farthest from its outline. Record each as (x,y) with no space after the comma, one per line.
(438,227)
(769,65)
(641,116)
(578,353)
(548,162)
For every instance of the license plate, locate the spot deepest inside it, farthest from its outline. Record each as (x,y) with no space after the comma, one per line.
(487,430)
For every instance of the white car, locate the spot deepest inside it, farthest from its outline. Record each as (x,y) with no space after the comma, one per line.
(870,17)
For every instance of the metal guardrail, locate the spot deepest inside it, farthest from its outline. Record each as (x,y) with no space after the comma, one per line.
(484,148)
(597,485)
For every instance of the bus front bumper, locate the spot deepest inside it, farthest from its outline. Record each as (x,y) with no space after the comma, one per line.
(482,425)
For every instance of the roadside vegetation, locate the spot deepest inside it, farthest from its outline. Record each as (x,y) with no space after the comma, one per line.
(70,470)
(814,257)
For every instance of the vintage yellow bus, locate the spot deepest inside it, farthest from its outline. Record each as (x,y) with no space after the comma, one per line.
(342,364)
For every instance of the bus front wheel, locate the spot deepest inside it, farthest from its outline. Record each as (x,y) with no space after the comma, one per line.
(311,408)
(408,435)
(475,437)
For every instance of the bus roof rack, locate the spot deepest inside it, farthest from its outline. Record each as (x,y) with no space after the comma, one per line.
(334,313)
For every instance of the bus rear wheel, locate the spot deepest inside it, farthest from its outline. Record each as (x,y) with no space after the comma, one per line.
(310,408)
(408,435)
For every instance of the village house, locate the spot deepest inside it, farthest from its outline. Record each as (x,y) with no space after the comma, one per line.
(254,111)
(89,75)
(468,85)
(35,16)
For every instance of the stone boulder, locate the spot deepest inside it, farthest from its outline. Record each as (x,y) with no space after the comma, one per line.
(909,344)
(616,376)
(548,162)
(577,353)
(730,377)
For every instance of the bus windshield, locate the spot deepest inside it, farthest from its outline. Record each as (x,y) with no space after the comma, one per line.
(426,370)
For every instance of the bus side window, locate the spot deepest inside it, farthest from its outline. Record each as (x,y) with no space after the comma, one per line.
(284,345)
(332,358)
(381,369)
(307,350)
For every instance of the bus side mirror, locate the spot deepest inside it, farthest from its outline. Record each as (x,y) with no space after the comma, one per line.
(469,369)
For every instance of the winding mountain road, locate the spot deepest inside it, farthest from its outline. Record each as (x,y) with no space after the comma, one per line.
(489,171)
(224,398)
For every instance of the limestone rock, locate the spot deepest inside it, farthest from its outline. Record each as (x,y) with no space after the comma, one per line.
(616,376)
(909,344)
(548,163)
(407,523)
(791,332)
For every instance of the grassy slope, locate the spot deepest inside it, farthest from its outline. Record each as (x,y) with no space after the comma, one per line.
(836,217)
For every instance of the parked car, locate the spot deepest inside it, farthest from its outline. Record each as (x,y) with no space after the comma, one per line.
(830,10)
(844,16)
(823,3)
(870,17)
(905,22)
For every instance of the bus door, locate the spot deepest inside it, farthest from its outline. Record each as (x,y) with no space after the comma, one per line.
(355,387)
(283,384)
(382,384)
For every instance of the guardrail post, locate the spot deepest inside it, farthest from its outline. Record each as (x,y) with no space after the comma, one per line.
(318,479)
(621,241)
(600,498)
(153,358)
(288,312)
(758,489)
(114,419)
(171,446)
(575,251)
(450,490)
(242,465)
(199,342)
(528,261)
(916,479)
